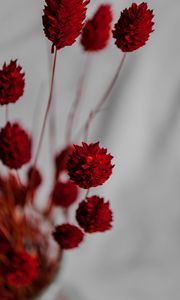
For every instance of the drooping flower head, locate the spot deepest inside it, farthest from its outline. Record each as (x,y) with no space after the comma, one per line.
(97,31)
(133,29)
(68,236)
(22,269)
(11,83)
(15,146)
(94,215)
(63,21)
(64,193)
(89,165)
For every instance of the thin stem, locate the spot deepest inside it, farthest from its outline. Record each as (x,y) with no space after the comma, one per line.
(52,130)
(7,113)
(18,177)
(52,119)
(102,101)
(87,193)
(47,111)
(77,101)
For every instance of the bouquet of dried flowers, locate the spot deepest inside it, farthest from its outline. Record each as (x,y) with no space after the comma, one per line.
(31,243)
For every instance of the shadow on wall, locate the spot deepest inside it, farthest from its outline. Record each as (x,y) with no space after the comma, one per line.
(70,293)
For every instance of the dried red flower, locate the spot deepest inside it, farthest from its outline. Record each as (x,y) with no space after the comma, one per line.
(64,194)
(11,83)
(22,269)
(94,215)
(89,165)
(15,146)
(97,31)
(134,27)
(61,160)
(68,236)
(63,21)
(34,178)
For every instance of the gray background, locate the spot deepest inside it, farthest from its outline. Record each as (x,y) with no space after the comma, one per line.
(140,257)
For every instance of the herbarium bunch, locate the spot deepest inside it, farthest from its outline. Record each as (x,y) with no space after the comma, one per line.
(31,243)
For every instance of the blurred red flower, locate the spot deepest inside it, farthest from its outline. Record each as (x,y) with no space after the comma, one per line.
(22,269)
(61,160)
(15,146)
(89,165)
(11,83)
(97,31)
(63,21)
(68,236)
(94,215)
(134,27)
(34,178)
(64,194)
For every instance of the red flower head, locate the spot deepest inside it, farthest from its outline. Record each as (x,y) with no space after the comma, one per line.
(15,146)
(94,215)
(134,27)
(11,83)
(22,269)
(64,194)
(89,165)
(68,236)
(97,31)
(34,178)
(63,21)
(61,160)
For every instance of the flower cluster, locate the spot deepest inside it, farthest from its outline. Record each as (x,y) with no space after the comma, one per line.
(94,215)
(29,234)
(11,83)
(15,146)
(68,236)
(89,165)
(63,21)
(134,27)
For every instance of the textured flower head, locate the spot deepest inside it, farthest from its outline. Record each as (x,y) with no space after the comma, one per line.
(97,31)
(11,83)
(94,215)
(64,194)
(22,270)
(63,21)
(89,165)
(134,27)
(15,146)
(68,236)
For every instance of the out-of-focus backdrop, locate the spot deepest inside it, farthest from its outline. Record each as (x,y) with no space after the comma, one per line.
(140,258)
